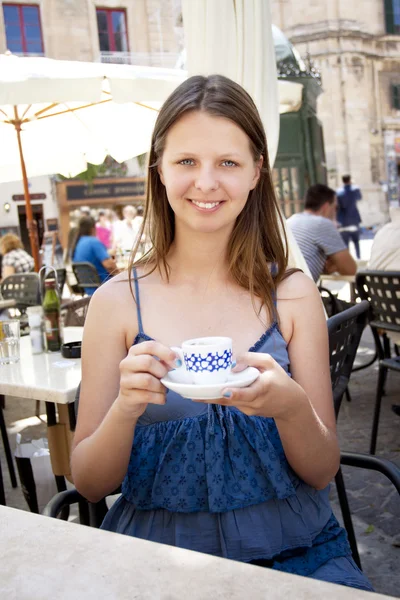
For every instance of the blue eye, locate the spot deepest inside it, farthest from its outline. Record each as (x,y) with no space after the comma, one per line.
(186,162)
(229,163)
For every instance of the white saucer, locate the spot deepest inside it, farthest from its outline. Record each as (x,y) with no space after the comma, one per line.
(210,391)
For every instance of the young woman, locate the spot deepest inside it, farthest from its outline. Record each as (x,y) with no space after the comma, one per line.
(244,477)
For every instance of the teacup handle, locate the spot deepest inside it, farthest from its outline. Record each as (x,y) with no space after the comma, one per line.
(179,352)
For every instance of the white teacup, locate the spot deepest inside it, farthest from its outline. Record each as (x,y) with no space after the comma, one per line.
(206,360)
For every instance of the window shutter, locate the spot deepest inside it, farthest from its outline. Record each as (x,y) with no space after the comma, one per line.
(396,96)
(389,16)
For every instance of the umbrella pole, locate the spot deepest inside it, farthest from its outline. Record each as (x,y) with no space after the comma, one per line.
(31,224)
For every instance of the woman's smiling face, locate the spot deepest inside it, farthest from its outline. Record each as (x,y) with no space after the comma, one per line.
(208,171)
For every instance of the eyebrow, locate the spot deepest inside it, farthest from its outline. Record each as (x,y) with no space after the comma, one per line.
(194,155)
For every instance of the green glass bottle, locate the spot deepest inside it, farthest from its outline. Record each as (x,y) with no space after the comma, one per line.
(51,309)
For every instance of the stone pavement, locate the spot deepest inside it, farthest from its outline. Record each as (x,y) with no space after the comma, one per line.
(374,502)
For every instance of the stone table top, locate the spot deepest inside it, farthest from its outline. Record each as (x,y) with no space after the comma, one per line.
(48,376)
(43,558)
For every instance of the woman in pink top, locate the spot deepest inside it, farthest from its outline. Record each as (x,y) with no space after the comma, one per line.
(103,229)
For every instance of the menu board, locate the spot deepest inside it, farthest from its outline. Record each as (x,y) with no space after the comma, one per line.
(52,251)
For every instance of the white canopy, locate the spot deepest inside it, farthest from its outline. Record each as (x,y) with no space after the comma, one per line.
(73,113)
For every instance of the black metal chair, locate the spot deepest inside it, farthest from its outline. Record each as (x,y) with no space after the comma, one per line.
(90,513)
(86,275)
(73,313)
(345,330)
(382,290)
(23,288)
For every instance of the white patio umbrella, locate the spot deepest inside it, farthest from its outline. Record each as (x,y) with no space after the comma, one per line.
(234,38)
(56,116)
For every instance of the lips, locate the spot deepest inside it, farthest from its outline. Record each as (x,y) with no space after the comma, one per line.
(206,206)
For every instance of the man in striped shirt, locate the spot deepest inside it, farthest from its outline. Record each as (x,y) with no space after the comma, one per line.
(317,236)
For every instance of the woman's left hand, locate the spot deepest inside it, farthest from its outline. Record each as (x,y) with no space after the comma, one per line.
(274,394)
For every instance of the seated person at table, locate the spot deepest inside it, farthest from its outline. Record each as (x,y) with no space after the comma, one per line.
(244,476)
(15,259)
(89,249)
(385,256)
(315,232)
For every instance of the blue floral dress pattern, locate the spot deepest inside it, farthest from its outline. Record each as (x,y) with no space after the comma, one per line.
(211,479)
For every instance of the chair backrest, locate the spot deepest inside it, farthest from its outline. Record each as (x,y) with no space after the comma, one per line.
(74,312)
(382,290)
(23,288)
(344,331)
(86,274)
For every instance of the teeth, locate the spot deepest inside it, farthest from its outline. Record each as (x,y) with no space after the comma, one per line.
(207,205)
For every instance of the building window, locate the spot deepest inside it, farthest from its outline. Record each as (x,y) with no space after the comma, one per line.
(392,16)
(395,89)
(112,30)
(23,29)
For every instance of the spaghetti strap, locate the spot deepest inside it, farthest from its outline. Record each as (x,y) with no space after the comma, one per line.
(139,315)
(274,271)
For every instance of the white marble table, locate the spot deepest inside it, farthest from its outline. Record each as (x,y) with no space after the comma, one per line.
(43,559)
(53,379)
(48,376)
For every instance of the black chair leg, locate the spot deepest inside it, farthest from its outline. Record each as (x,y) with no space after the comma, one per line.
(379,394)
(2,494)
(7,449)
(347,520)
(84,515)
(97,512)
(347,393)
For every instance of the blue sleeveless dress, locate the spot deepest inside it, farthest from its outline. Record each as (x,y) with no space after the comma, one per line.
(211,479)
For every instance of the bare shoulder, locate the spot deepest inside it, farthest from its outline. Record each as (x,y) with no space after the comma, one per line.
(115,291)
(299,304)
(297,286)
(112,310)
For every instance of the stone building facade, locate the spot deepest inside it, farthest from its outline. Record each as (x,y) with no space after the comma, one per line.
(70,29)
(356,47)
(140,32)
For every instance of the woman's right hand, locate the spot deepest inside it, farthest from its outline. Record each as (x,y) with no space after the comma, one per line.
(140,374)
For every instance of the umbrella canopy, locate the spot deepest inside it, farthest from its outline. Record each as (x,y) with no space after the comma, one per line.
(56,116)
(234,38)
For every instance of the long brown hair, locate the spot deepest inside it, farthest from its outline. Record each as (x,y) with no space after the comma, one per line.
(256,240)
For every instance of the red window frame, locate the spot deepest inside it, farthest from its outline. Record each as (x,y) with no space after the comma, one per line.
(110,32)
(21,23)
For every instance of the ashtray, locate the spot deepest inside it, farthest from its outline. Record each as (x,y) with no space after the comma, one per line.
(71,350)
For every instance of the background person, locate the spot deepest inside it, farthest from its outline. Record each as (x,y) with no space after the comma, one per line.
(385,256)
(89,249)
(104,229)
(348,217)
(15,258)
(317,236)
(385,251)
(244,476)
(127,230)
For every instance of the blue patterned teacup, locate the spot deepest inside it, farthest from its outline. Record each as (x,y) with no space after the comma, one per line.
(206,360)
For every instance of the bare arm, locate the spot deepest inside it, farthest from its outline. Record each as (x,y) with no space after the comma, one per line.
(302,405)
(309,437)
(7,270)
(117,384)
(341,262)
(109,264)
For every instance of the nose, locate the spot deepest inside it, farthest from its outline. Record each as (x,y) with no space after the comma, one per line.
(206,180)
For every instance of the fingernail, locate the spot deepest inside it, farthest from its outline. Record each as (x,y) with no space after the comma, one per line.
(178,362)
(227,394)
